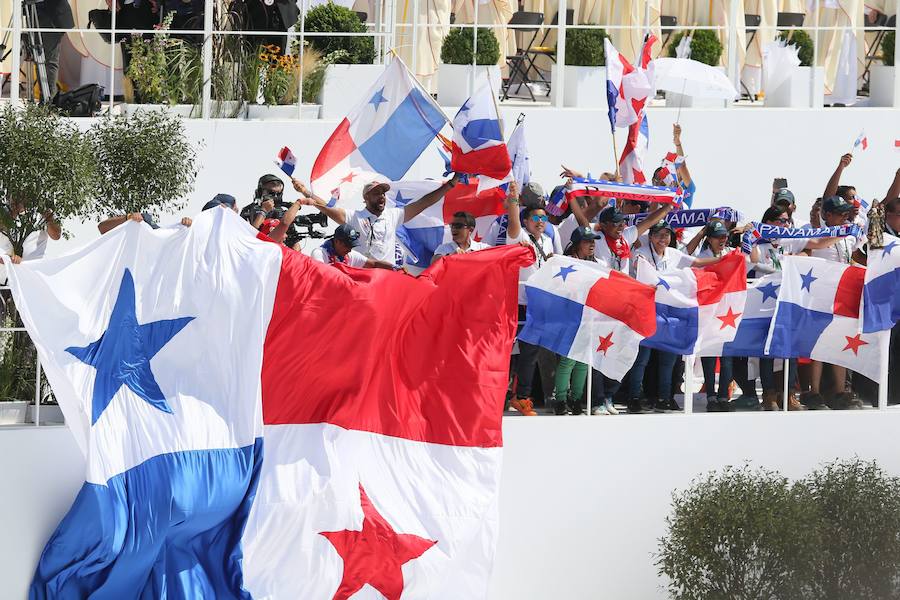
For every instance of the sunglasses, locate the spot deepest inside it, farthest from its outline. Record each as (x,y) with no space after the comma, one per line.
(782,220)
(457,225)
(540,218)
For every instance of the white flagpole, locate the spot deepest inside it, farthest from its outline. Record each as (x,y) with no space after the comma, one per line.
(785,366)
(689,384)
(587,395)
(884,350)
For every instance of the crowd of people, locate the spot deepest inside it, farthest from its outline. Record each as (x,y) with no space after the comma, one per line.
(599,229)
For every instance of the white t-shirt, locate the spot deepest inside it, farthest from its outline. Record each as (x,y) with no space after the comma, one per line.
(377,235)
(451,247)
(841,252)
(771,255)
(35,245)
(672,258)
(558,244)
(324,255)
(606,257)
(565,229)
(546,245)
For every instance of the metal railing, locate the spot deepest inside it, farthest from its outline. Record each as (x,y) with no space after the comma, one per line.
(383,28)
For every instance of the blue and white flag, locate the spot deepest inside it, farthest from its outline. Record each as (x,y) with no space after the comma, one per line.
(759,307)
(518,154)
(881,294)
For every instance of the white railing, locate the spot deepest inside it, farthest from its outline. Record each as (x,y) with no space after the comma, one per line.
(384,30)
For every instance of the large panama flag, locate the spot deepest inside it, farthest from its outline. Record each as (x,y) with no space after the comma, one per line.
(178,355)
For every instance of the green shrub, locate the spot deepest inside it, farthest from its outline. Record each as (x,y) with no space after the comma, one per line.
(584,47)
(737,535)
(457,47)
(331,17)
(803,41)
(857,513)
(705,46)
(887,48)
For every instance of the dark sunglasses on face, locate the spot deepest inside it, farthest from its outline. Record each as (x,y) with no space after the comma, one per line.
(457,225)
(782,220)
(540,218)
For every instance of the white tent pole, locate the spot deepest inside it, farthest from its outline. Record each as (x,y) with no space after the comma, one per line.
(689,384)
(884,350)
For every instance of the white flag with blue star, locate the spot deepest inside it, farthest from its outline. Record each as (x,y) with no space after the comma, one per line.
(153,343)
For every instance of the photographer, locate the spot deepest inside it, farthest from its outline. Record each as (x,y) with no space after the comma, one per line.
(277,229)
(266,197)
(53,14)
(340,250)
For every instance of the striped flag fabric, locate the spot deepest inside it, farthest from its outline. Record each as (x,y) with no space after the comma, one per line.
(881,291)
(753,327)
(478,147)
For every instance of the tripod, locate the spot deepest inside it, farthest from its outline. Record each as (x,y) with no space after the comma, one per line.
(34,49)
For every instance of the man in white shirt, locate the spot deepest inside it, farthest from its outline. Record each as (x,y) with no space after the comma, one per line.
(462,228)
(376,223)
(35,244)
(339,250)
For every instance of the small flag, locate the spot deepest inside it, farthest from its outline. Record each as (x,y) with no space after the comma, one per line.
(862,140)
(286,161)
(896,144)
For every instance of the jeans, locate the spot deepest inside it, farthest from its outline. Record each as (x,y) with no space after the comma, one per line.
(767,374)
(709,375)
(666,363)
(602,387)
(528,355)
(571,378)
(740,371)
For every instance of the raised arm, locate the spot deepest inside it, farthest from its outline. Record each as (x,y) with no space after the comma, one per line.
(335,214)
(514,228)
(280,231)
(301,188)
(413,209)
(53,228)
(655,217)
(683,174)
(695,241)
(113,222)
(835,181)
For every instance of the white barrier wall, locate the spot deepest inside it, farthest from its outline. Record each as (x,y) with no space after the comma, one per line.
(583,499)
(732,153)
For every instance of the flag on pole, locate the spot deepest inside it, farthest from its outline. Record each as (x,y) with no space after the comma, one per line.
(383,136)
(589,313)
(817,316)
(861,141)
(478,147)
(174,372)
(518,155)
(625,85)
(286,161)
(881,292)
(631,163)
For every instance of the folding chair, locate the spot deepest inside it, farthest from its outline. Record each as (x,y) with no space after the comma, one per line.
(519,65)
(882,21)
(751,23)
(789,19)
(667,28)
(541,49)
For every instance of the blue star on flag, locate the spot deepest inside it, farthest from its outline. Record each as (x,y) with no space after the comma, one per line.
(399,200)
(121,356)
(664,283)
(565,272)
(770,290)
(889,247)
(807,281)
(378,98)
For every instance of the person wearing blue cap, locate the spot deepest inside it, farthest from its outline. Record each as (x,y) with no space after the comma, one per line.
(226,200)
(340,250)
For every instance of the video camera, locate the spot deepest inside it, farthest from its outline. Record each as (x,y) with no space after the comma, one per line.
(310,221)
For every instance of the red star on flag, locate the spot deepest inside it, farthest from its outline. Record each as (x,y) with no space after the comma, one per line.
(729,319)
(854,343)
(348,177)
(374,555)
(605,343)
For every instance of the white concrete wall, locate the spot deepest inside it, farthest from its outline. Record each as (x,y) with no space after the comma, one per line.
(733,153)
(583,500)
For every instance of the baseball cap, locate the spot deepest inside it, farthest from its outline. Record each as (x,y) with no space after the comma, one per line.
(268,225)
(148,219)
(716,229)
(583,233)
(374,186)
(219,200)
(532,193)
(660,226)
(269,178)
(347,234)
(835,204)
(784,194)
(611,215)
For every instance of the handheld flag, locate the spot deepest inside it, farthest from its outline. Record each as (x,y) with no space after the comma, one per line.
(861,141)
(286,161)
(478,147)
(881,293)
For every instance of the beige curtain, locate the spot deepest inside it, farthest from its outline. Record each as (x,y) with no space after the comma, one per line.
(6,7)
(848,15)
(433,21)
(493,12)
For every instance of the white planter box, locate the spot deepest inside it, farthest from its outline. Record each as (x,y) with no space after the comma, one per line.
(881,85)
(226,109)
(182,110)
(51,414)
(281,112)
(583,87)
(794,92)
(12,413)
(343,85)
(454,82)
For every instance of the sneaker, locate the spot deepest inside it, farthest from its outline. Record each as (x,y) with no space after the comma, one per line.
(712,404)
(599,410)
(608,405)
(746,402)
(813,401)
(658,406)
(576,409)
(840,402)
(858,403)
(524,406)
(726,406)
(560,408)
(670,405)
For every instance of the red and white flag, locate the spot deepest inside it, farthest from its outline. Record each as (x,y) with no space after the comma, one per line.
(631,164)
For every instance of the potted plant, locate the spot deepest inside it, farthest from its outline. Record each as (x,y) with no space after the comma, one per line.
(585,74)
(794,92)
(348,72)
(145,163)
(46,168)
(707,49)
(164,71)
(455,70)
(273,82)
(881,77)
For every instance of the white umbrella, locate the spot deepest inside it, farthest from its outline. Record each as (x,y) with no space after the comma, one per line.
(691,78)
(779,62)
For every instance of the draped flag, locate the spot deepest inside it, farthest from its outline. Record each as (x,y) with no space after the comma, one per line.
(589,313)
(424,233)
(174,353)
(753,327)
(881,293)
(383,136)
(817,316)
(698,310)
(478,147)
